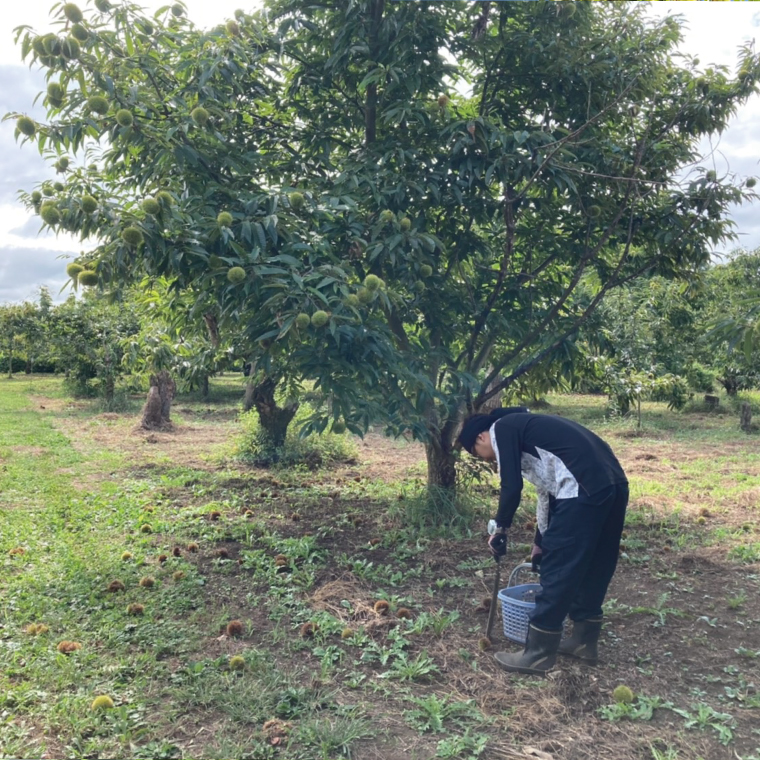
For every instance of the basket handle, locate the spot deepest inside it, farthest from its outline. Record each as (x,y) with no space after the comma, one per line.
(514,573)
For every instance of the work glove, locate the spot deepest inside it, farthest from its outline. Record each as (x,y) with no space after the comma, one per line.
(536,552)
(535,557)
(497,543)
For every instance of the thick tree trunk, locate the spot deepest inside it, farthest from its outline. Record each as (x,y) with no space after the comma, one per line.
(495,401)
(248,398)
(441,466)
(157,409)
(274,419)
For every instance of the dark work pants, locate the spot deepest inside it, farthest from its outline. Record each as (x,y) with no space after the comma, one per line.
(580,552)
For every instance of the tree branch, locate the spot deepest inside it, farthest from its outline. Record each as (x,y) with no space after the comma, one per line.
(370,115)
(579,272)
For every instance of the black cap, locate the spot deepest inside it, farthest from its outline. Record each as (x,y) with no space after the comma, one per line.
(475,424)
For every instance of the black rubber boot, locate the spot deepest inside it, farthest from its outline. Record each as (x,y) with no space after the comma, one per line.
(537,658)
(582,644)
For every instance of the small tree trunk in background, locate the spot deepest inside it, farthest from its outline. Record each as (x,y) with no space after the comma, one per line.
(166,389)
(151,414)
(745,417)
(10,359)
(109,388)
(204,386)
(274,419)
(163,388)
(28,368)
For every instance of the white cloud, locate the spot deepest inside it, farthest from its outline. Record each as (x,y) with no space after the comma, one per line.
(24,269)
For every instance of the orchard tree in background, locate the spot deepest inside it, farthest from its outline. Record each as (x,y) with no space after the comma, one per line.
(314,171)
(86,337)
(732,320)
(17,322)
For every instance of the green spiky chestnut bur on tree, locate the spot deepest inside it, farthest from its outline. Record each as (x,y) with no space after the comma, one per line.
(55,91)
(151,206)
(72,13)
(364,295)
(320,318)
(200,116)
(132,236)
(73,270)
(88,278)
(80,33)
(98,104)
(124,118)
(50,214)
(52,44)
(70,49)
(26,126)
(236,275)
(89,204)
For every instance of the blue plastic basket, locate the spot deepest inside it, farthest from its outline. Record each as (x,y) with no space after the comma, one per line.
(517,604)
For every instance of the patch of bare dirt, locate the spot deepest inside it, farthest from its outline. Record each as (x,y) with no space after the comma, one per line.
(189,445)
(34,451)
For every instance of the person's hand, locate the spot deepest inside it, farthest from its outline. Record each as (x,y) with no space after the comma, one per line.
(497,543)
(535,557)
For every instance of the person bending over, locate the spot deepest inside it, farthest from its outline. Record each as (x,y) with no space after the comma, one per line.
(582,498)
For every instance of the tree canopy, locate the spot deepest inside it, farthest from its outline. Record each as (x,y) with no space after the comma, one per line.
(412,204)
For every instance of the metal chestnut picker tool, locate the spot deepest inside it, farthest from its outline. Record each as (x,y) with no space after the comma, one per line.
(496,580)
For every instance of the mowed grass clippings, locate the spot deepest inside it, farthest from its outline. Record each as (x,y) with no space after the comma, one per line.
(296,614)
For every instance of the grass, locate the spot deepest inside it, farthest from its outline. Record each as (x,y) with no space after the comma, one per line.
(76,486)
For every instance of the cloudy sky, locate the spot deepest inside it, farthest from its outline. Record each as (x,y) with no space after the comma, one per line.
(29,259)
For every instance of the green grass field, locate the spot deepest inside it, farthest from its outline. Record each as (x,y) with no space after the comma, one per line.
(90,507)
